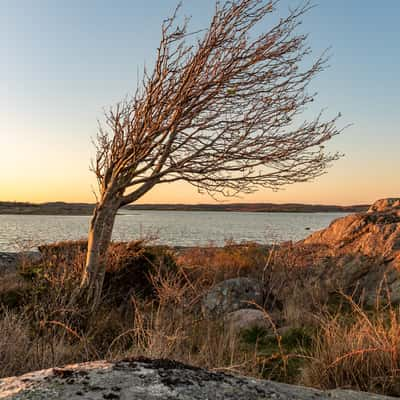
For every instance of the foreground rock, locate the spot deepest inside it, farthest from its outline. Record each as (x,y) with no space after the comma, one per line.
(158,379)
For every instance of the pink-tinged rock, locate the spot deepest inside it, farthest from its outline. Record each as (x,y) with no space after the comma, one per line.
(385,205)
(364,250)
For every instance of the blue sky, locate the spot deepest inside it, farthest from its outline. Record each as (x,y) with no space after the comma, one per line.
(64,61)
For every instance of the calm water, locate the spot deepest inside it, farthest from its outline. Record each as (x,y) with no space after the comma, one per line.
(178,228)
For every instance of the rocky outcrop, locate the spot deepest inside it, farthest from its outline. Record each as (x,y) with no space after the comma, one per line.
(372,234)
(361,252)
(385,205)
(143,379)
(231,295)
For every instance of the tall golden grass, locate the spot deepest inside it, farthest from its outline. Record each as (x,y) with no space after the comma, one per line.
(359,350)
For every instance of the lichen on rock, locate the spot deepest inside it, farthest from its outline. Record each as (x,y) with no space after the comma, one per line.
(145,379)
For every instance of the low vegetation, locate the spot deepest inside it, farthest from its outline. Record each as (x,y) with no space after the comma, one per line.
(151,306)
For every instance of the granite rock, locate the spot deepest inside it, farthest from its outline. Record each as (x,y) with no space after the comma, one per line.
(248,318)
(231,295)
(144,379)
(364,250)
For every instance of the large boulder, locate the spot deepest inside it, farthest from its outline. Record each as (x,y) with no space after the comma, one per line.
(144,379)
(372,234)
(231,295)
(360,253)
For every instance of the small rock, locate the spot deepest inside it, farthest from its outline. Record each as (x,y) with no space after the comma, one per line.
(247,318)
(231,295)
(9,262)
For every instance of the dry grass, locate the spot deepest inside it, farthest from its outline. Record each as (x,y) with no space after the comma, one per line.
(12,289)
(171,326)
(359,350)
(162,331)
(214,264)
(23,350)
(352,348)
(163,321)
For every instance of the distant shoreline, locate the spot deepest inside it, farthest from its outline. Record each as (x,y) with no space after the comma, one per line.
(75,209)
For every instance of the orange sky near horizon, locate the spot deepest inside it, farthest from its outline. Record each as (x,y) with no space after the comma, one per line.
(335,187)
(38,172)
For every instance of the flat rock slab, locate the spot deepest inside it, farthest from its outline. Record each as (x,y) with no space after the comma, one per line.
(143,379)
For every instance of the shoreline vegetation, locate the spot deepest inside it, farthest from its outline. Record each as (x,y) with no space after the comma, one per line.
(63,208)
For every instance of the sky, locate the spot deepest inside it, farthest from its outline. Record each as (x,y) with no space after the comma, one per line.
(63,62)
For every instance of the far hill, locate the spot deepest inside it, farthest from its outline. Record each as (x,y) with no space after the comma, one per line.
(251,207)
(61,208)
(55,208)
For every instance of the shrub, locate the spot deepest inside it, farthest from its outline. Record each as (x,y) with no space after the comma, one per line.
(129,266)
(215,264)
(14,291)
(129,270)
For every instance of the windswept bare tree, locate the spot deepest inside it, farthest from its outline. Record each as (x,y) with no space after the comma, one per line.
(218,110)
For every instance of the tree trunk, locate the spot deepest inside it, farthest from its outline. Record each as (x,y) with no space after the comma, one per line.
(99,238)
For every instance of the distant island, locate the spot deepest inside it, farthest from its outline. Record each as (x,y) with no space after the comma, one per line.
(62,208)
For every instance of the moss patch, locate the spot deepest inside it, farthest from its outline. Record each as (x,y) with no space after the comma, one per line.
(280,357)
